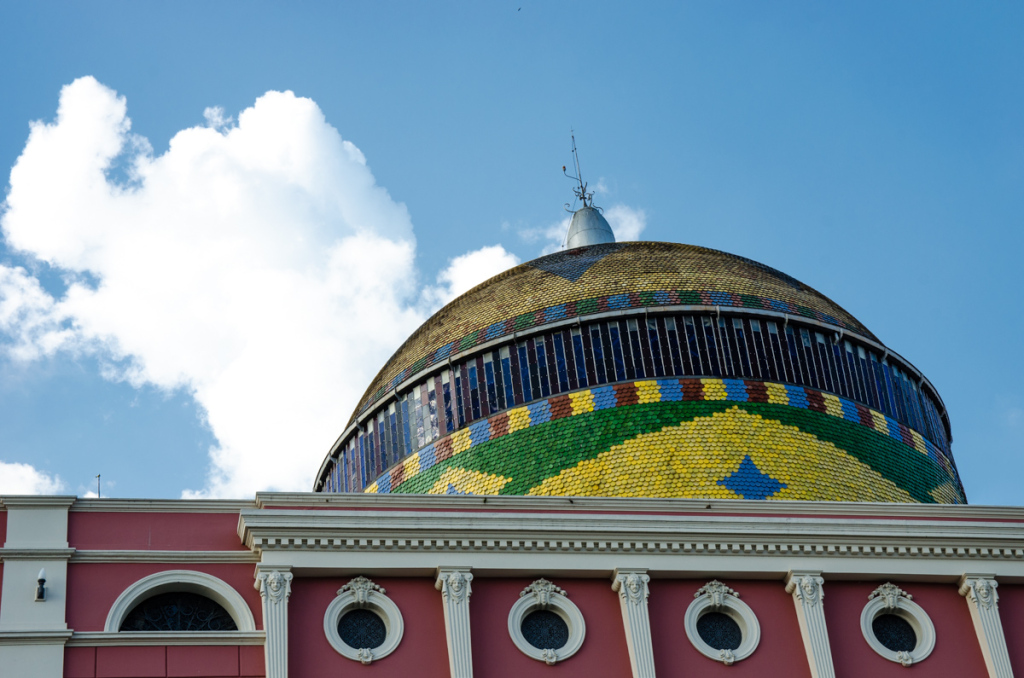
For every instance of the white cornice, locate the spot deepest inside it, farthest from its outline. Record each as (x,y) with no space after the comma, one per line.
(35,554)
(101,638)
(34,637)
(36,501)
(139,556)
(162,505)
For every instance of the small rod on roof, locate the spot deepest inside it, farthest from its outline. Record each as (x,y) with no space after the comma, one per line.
(98,495)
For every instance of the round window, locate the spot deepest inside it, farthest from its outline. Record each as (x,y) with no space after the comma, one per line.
(720,631)
(896,627)
(361,628)
(545,630)
(894,632)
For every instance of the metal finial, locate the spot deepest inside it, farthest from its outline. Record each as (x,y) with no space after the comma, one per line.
(581,189)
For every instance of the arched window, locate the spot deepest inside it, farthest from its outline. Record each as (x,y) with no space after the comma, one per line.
(178,611)
(179,601)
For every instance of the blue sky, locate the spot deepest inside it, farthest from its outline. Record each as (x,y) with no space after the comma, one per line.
(873,150)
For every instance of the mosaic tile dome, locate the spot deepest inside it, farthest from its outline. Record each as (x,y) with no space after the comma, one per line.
(650,370)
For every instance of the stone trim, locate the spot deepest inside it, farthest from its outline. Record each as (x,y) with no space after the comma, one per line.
(544,595)
(808,596)
(361,593)
(979,590)
(136,639)
(275,587)
(454,583)
(142,556)
(180,580)
(891,599)
(632,587)
(717,597)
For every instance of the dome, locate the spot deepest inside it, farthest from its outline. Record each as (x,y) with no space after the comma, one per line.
(588,227)
(647,369)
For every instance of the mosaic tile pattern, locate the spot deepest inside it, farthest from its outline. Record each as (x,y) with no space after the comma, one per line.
(686,438)
(595,279)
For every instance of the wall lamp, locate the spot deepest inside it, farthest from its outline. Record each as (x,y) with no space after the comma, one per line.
(41,587)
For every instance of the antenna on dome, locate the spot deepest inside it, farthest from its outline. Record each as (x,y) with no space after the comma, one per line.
(581,190)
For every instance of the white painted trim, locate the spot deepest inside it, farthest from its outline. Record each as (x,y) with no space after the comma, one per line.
(902,605)
(28,501)
(162,505)
(807,589)
(36,554)
(34,637)
(143,556)
(632,587)
(716,597)
(180,580)
(145,638)
(981,595)
(361,593)
(543,595)
(275,587)
(455,585)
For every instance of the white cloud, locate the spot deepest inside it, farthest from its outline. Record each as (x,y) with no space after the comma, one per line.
(24,479)
(258,266)
(466,272)
(627,223)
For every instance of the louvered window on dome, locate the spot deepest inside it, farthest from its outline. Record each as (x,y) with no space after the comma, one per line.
(178,611)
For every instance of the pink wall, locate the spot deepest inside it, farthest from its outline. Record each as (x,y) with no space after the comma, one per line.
(154,531)
(780,653)
(1011,611)
(93,587)
(603,655)
(956,654)
(164,662)
(422,653)
(3,526)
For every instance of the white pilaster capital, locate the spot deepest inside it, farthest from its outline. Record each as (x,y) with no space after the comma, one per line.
(983,600)
(806,587)
(454,583)
(633,590)
(275,585)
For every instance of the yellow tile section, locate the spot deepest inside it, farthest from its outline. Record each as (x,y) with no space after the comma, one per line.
(688,461)
(582,401)
(519,418)
(714,389)
(411,466)
(372,489)
(777,393)
(460,442)
(881,425)
(918,441)
(648,391)
(832,405)
(468,482)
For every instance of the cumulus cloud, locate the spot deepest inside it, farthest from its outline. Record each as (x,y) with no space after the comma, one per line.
(24,479)
(466,272)
(255,264)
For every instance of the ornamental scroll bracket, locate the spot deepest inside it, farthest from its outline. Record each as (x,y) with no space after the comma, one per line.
(542,590)
(716,592)
(890,595)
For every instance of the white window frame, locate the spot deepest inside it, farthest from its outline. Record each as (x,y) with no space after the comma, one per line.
(361,593)
(180,580)
(891,599)
(717,597)
(543,595)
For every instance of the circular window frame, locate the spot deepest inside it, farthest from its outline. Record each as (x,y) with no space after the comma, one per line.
(890,599)
(190,581)
(361,593)
(543,595)
(717,597)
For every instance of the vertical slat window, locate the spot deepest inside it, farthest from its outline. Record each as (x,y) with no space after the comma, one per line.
(446,389)
(570,360)
(560,362)
(492,384)
(654,341)
(517,376)
(499,382)
(672,334)
(506,376)
(598,350)
(474,391)
(740,347)
(460,405)
(712,346)
(666,351)
(524,371)
(693,346)
(777,364)
(579,356)
(542,367)
(531,357)
(618,359)
(635,350)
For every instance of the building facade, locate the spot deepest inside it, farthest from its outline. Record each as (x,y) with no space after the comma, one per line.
(622,459)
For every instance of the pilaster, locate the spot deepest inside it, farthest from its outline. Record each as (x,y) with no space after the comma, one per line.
(633,590)
(275,587)
(454,583)
(982,598)
(808,596)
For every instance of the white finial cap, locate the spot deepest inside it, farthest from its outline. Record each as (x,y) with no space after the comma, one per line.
(588,227)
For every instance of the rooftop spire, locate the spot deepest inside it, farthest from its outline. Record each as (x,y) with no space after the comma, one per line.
(588,226)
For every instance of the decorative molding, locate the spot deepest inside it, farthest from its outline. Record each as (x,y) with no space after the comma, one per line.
(162,505)
(180,580)
(275,587)
(544,595)
(808,596)
(162,638)
(633,590)
(36,554)
(455,587)
(143,556)
(717,597)
(29,501)
(34,637)
(361,593)
(982,598)
(891,599)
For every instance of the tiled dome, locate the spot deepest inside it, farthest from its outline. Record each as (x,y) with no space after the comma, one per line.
(647,370)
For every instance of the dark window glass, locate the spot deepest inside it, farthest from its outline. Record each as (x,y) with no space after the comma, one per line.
(720,631)
(894,633)
(595,343)
(655,341)
(712,350)
(459,411)
(563,371)
(542,367)
(619,360)
(524,372)
(693,347)
(635,349)
(474,391)
(499,381)
(506,375)
(178,611)
(362,629)
(579,357)
(545,630)
(531,356)
(492,387)
(742,348)
(432,412)
(672,334)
